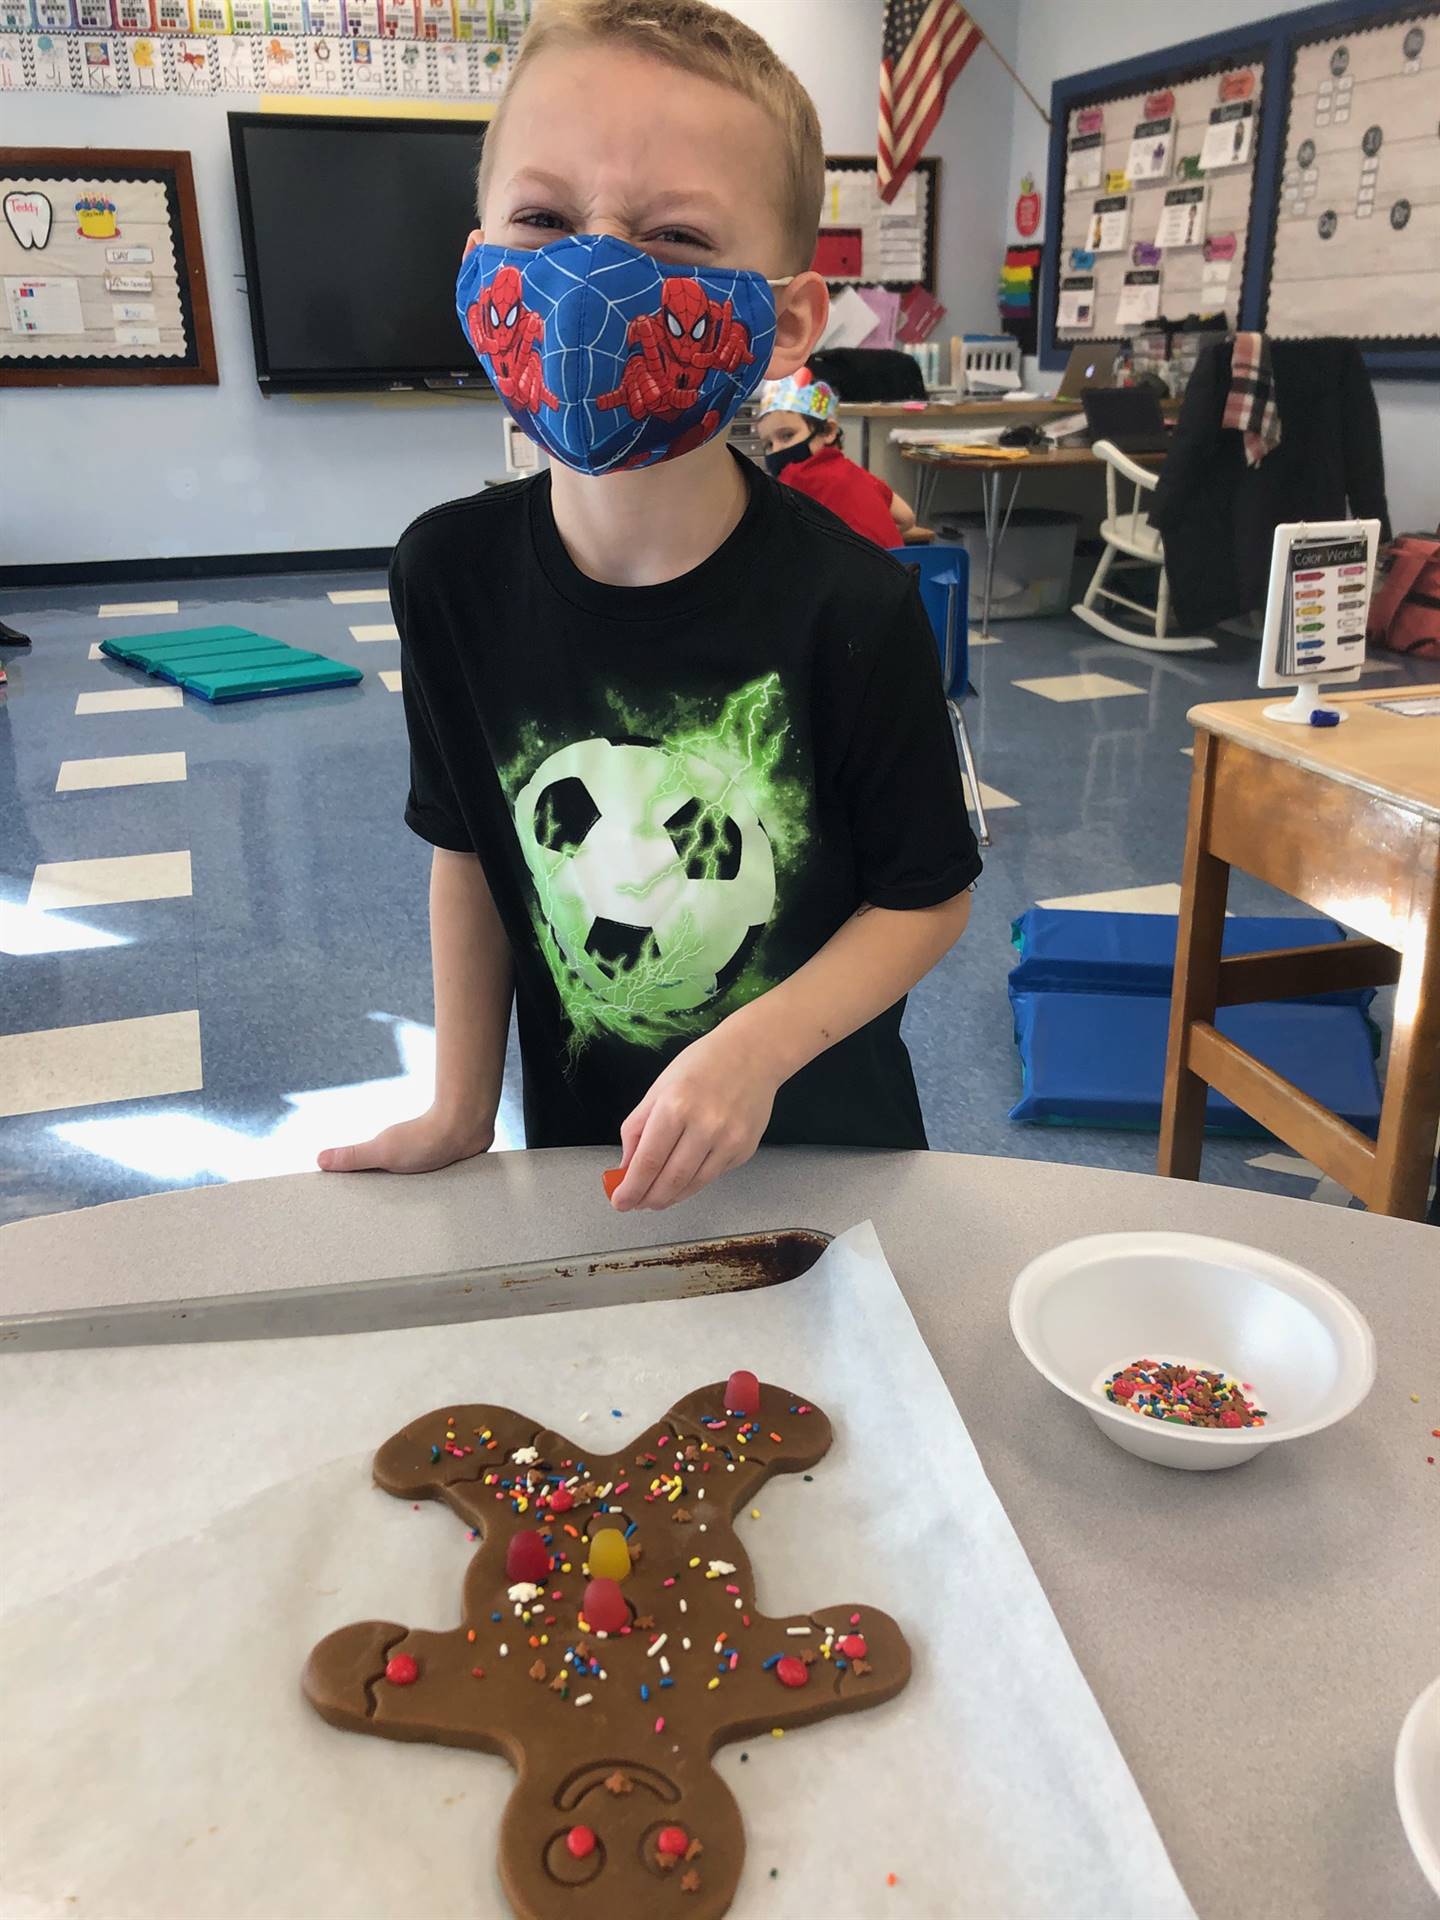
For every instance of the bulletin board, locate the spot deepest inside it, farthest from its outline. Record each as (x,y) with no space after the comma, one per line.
(867,241)
(1157,195)
(1341,232)
(1357,217)
(102,278)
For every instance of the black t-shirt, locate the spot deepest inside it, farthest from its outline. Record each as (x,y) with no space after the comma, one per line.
(680,792)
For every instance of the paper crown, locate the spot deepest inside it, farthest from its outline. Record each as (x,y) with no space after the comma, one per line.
(800,393)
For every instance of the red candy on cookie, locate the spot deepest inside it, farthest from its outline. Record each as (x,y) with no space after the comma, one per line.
(561,1500)
(673,1840)
(791,1671)
(581,1842)
(742,1394)
(604,1606)
(853,1646)
(527,1558)
(402,1670)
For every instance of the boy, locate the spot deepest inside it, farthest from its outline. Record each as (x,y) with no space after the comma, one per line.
(799,427)
(676,736)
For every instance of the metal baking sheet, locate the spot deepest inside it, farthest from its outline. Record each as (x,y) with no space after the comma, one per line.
(736,1264)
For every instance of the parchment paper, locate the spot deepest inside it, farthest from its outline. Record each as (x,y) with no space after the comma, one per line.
(159,1763)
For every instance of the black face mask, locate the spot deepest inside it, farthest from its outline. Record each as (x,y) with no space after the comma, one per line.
(783,457)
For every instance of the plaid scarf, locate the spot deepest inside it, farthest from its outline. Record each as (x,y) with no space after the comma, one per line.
(1250,403)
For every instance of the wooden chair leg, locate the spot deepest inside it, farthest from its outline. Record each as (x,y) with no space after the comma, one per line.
(1405,1146)
(1204,886)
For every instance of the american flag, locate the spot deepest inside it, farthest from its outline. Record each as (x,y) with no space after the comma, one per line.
(927,42)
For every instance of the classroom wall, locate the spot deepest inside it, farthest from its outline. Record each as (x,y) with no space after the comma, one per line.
(147,472)
(1054,41)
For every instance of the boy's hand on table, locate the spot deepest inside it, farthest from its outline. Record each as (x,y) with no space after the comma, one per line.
(413,1146)
(705,1114)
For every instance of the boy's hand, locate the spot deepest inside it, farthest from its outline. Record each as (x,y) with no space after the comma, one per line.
(705,1114)
(413,1146)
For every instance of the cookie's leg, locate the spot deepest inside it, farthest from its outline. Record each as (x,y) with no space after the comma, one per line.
(624,1838)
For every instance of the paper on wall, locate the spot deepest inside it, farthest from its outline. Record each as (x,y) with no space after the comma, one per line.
(851,321)
(1109,224)
(219,1565)
(1150,150)
(1139,297)
(1229,136)
(42,306)
(1182,218)
(1076,308)
(1083,160)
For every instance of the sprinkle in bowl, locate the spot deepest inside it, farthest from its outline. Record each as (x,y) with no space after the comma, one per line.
(1293,1354)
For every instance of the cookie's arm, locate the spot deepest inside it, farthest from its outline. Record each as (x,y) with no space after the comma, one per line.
(756,1699)
(779,1438)
(434,1694)
(445,1455)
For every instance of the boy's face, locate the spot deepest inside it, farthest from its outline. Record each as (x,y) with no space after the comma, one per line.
(780,431)
(603,139)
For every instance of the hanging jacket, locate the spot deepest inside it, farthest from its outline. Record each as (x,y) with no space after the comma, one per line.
(1217,517)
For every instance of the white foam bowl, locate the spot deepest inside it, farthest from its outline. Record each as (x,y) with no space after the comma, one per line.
(1087,1308)
(1417,1781)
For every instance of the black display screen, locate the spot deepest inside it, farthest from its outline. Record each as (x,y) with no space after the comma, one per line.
(353,233)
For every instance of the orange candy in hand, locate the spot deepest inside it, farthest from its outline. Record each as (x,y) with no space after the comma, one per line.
(612,1177)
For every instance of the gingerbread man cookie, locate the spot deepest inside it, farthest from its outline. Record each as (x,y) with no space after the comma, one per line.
(610,1643)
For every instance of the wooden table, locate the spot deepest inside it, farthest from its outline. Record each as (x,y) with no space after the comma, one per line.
(1346,819)
(991,467)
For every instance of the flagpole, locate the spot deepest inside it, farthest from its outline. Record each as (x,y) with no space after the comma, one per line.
(1008,68)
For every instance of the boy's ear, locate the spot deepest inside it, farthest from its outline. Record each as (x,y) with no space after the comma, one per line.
(801,312)
(476,237)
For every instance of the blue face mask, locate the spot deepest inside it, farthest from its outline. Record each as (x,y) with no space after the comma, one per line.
(611,359)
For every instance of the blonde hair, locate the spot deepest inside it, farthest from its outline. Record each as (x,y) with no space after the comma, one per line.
(699,39)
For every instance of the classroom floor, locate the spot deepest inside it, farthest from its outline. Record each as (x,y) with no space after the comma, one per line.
(213,941)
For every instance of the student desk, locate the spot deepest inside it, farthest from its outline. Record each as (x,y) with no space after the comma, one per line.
(1289,1604)
(1346,819)
(992,467)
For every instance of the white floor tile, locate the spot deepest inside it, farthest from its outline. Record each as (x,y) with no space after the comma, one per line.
(391,677)
(986,639)
(1189,751)
(1287,1163)
(105,1061)
(129,700)
(106,883)
(383,630)
(95,653)
(1078,686)
(123,770)
(993,798)
(360,597)
(122,609)
(1164,898)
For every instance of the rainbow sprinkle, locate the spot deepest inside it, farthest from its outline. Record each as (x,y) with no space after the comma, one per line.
(1187,1396)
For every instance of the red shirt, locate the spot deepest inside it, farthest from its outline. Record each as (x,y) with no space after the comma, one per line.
(859,498)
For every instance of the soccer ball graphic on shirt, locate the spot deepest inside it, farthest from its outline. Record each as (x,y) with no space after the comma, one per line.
(653,872)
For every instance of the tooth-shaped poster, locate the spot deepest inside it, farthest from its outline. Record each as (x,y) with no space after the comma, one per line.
(28,216)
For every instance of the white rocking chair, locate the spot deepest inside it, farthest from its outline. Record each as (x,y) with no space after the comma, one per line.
(1131,534)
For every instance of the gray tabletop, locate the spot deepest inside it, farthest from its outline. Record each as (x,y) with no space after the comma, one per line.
(1254,1636)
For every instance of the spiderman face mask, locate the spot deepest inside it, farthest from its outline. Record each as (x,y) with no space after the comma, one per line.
(611,359)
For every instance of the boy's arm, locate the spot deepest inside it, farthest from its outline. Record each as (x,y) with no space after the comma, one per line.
(707,1111)
(902,513)
(474,985)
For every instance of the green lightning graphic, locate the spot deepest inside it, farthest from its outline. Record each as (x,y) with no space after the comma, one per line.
(655,865)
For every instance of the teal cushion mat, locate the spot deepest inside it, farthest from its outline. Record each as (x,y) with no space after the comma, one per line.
(230,663)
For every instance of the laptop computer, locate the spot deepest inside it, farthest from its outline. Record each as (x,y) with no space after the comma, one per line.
(1128,417)
(1086,367)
